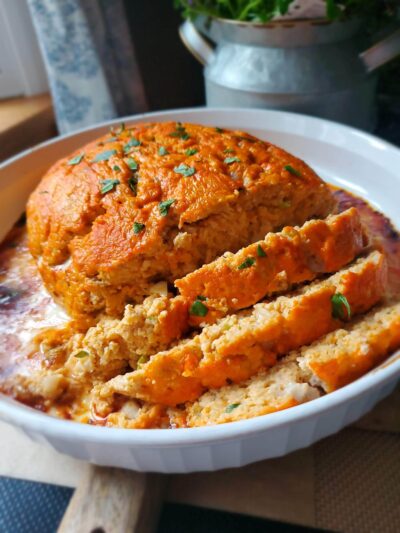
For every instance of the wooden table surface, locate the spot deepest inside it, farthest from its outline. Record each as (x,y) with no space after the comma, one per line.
(25,122)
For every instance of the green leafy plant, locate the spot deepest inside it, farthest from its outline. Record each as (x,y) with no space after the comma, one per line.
(265,10)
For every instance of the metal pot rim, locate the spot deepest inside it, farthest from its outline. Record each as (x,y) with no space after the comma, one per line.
(322,21)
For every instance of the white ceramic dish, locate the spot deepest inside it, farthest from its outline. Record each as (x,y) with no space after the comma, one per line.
(341,155)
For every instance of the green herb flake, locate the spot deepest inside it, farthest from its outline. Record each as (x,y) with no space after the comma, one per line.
(248,139)
(293,171)
(43,192)
(116,168)
(132,164)
(198,308)
(260,251)
(339,305)
(108,185)
(165,206)
(180,132)
(191,151)
(76,160)
(142,360)
(185,170)
(230,160)
(219,130)
(130,144)
(247,263)
(81,354)
(231,407)
(138,227)
(229,151)
(111,140)
(132,182)
(104,156)
(121,127)
(162,151)
(201,298)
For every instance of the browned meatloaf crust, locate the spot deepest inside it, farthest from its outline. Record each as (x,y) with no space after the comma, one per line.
(155,201)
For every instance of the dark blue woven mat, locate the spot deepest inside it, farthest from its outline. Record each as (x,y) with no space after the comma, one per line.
(29,507)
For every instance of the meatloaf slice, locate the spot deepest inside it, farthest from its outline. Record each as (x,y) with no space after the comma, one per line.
(331,362)
(238,346)
(275,264)
(278,388)
(346,354)
(153,202)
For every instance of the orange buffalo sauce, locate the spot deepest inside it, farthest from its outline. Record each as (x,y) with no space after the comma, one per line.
(381,231)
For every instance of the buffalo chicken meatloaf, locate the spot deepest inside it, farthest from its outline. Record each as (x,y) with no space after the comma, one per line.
(154,202)
(194,276)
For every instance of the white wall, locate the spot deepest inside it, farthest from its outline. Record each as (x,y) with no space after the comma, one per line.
(22,70)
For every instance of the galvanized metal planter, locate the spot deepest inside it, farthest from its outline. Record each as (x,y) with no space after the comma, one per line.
(315,67)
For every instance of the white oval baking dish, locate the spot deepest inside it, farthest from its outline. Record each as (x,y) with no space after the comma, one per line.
(344,156)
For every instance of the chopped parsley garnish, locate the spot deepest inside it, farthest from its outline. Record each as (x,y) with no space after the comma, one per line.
(293,171)
(260,251)
(191,151)
(231,407)
(219,130)
(104,156)
(120,129)
(132,182)
(108,185)
(162,151)
(201,298)
(116,168)
(180,132)
(164,206)
(132,164)
(339,305)
(198,308)
(75,160)
(230,160)
(142,360)
(243,138)
(247,263)
(229,151)
(131,143)
(185,170)
(81,354)
(138,227)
